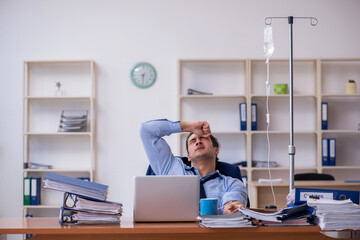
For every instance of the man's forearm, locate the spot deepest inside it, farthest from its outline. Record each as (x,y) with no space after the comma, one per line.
(201,128)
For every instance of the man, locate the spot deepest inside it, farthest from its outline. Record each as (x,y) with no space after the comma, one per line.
(230,192)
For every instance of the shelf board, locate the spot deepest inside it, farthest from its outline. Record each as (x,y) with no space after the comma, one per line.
(210,96)
(58,61)
(340,167)
(221,132)
(58,98)
(341,131)
(281,168)
(56,170)
(341,95)
(58,134)
(283,96)
(41,206)
(305,183)
(282,132)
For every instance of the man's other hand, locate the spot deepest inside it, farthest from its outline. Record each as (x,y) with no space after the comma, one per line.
(232,207)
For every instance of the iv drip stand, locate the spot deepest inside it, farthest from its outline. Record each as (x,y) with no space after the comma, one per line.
(291,148)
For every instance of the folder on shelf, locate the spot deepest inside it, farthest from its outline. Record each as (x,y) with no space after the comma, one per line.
(301,195)
(72,217)
(242,108)
(324,115)
(73,185)
(254,116)
(325,152)
(80,203)
(35,191)
(332,152)
(26,190)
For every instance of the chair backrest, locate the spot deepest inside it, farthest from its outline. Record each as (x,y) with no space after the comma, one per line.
(224,168)
(313,177)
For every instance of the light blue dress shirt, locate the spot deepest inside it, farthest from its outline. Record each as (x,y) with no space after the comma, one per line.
(163,162)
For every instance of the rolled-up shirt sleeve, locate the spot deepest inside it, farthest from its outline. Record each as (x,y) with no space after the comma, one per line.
(157,150)
(236,191)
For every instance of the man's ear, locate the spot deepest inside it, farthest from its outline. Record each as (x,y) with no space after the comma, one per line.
(216,149)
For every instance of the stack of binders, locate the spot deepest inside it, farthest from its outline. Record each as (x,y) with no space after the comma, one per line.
(329,152)
(32,193)
(84,201)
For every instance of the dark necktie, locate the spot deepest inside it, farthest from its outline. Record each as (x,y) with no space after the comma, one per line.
(203,181)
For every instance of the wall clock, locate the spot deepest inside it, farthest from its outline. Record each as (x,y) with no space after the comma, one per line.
(143,75)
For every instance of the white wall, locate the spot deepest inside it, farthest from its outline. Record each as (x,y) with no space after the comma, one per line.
(116,34)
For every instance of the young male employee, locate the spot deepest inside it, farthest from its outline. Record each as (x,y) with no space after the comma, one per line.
(230,192)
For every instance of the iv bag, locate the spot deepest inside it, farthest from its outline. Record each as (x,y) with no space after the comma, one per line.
(268,42)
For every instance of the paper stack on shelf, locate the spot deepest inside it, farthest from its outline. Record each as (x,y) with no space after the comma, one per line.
(32,165)
(235,220)
(73,121)
(264,164)
(298,213)
(196,92)
(335,214)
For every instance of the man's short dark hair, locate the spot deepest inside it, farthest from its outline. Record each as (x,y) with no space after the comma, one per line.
(213,139)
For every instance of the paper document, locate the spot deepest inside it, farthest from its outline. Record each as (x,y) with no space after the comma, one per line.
(336,214)
(234,220)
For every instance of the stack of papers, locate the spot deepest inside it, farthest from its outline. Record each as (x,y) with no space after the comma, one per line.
(75,202)
(73,185)
(264,164)
(84,201)
(235,220)
(336,214)
(289,213)
(69,217)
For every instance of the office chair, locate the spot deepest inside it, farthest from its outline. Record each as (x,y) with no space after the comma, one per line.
(313,177)
(224,168)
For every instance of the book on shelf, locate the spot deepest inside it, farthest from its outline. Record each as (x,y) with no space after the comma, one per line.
(332,152)
(325,151)
(77,186)
(254,116)
(324,115)
(242,110)
(32,190)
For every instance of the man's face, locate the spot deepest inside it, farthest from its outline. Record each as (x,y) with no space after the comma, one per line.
(201,147)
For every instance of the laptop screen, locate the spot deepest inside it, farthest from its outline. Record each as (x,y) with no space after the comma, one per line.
(166,198)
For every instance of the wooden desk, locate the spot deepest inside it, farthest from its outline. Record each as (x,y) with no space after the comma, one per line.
(49,228)
(260,194)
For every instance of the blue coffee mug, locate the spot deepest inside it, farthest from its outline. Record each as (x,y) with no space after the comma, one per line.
(208,206)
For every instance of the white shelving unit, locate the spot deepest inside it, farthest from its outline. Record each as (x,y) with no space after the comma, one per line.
(243,80)
(69,153)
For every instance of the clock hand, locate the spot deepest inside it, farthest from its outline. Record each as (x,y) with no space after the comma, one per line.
(142,78)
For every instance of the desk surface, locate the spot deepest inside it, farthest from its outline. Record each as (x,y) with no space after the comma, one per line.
(49,228)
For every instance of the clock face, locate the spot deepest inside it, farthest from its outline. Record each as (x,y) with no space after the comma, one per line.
(143,75)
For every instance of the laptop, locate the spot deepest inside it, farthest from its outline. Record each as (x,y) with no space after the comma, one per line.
(166,198)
